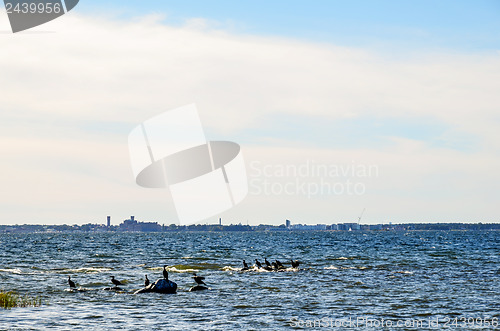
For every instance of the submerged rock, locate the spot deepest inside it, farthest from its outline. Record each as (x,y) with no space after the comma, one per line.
(198,288)
(160,286)
(116,288)
(80,289)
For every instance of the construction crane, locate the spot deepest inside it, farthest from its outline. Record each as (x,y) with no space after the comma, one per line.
(359,218)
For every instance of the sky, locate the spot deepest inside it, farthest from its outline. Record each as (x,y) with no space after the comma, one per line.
(338,106)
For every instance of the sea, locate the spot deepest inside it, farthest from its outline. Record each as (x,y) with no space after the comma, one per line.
(373,280)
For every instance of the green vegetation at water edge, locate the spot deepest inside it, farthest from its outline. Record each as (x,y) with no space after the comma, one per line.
(10,299)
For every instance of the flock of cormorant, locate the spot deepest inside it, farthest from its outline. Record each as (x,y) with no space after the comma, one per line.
(274,266)
(116,282)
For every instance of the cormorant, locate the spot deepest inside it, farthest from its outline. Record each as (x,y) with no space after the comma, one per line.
(295,264)
(257,263)
(245,265)
(275,266)
(115,281)
(267,262)
(198,279)
(280,266)
(165,272)
(146,281)
(71,283)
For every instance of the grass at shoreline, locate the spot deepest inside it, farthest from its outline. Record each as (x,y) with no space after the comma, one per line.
(10,300)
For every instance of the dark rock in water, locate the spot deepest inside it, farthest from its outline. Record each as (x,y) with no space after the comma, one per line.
(198,288)
(80,289)
(115,288)
(160,286)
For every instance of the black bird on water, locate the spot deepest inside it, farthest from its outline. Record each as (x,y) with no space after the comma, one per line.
(257,263)
(71,283)
(280,266)
(245,265)
(115,281)
(198,279)
(295,264)
(267,262)
(165,272)
(146,281)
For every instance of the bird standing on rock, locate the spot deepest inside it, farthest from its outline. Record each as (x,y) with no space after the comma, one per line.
(198,279)
(257,263)
(245,265)
(71,283)
(146,281)
(115,281)
(267,262)
(165,272)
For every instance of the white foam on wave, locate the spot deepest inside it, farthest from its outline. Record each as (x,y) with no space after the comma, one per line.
(174,269)
(89,270)
(332,267)
(14,271)
(229,268)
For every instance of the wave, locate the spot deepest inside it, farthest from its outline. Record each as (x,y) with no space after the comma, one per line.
(13,270)
(179,268)
(229,268)
(88,270)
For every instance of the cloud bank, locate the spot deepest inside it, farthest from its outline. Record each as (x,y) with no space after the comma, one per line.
(69,99)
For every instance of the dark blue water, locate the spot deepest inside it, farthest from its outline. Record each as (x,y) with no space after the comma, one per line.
(444,277)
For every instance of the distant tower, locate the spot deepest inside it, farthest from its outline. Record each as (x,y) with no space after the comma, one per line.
(220,221)
(132,218)
(109,221)
(287,223)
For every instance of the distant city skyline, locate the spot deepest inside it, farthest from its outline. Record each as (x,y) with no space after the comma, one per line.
(337,106)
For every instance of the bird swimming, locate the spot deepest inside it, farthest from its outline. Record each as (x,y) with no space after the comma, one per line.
(71,283)
(198,279)
(165,272)
(146,281)
(115,281)
(257,263)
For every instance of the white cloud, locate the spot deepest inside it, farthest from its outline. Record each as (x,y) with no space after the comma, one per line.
(69,98)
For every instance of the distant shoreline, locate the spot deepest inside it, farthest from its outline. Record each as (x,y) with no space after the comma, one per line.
(344,227)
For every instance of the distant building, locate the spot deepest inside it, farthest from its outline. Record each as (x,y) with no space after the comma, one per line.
(287,224)
(307,227)
(132,225)
(375,227)
(348,226)
(108,223)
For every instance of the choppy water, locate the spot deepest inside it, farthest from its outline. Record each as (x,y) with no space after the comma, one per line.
(344,275)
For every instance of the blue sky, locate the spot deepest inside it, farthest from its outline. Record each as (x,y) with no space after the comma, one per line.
(408,86)
(452,24)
